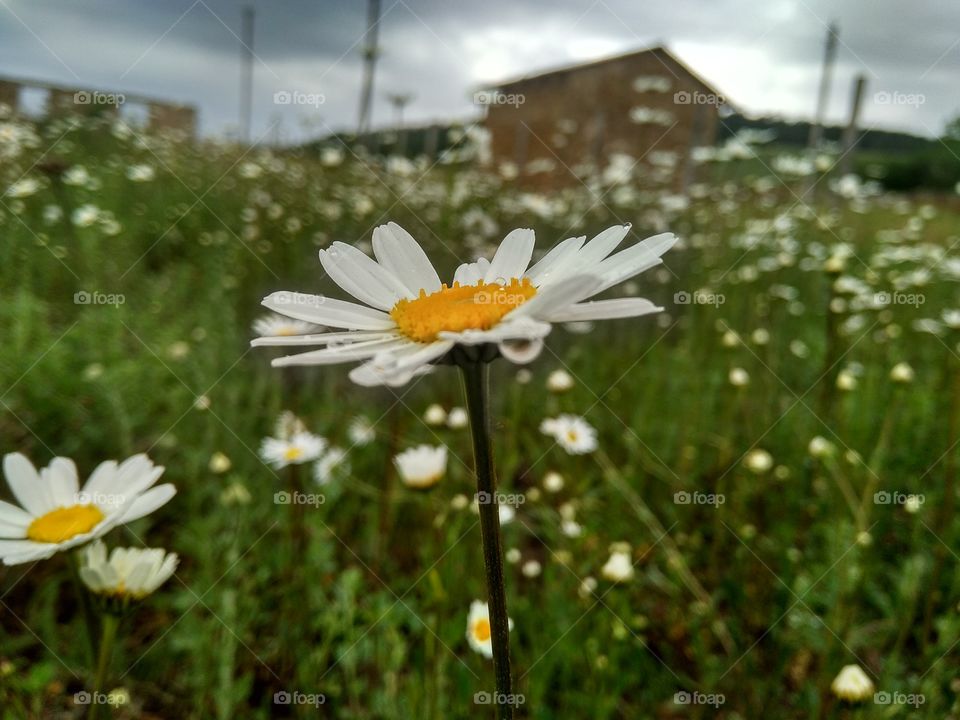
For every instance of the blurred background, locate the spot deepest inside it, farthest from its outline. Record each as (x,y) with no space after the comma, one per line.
(771,499)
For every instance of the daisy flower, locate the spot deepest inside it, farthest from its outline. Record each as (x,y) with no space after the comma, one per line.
(331,463)
(128,573)
(559,381)
(407,319)
(55,514)
(361,432)
(618,568)
(572,433)
(457,418)
(478,629)
(274,325)
(852,684)
(422,467)
(292,443)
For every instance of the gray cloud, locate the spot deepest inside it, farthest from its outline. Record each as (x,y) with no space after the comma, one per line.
(765,56)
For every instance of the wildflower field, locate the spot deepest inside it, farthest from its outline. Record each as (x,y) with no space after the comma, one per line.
(711,511)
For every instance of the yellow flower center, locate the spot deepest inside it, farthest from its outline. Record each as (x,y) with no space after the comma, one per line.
(292,453)
(481,630)
(64,523)
(459,308)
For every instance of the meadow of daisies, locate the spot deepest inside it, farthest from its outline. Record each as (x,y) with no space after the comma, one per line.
(741,506)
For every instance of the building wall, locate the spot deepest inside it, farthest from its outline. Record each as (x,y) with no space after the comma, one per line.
(638,105)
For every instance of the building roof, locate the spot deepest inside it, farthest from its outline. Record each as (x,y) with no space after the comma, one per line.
(659,50)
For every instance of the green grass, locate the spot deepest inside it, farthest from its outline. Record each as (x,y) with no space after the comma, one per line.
(762,599)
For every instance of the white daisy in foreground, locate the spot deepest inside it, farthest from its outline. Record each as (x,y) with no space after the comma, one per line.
(852,684)
(274,325)
(293,444)
(478,629)
(409,319)
(422,467)
(55,514)
(572,433)
(128,573)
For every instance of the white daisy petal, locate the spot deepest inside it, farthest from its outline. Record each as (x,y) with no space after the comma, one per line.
(25,483)
(605,310)
(328,311)
(557,296)
(60,477)
(102,479)
(512,257)
(362,277)
(350,336)
(471,273)
(520,329)
(398,252)
(344,353)
(553,260)
(14,521)
(148,502)
(634,260)
(601,246)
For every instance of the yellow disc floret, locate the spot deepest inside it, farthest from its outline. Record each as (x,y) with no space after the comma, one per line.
(63,523)
(459,308)
(481,630)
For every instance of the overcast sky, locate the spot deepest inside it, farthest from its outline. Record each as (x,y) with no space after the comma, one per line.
(764,55)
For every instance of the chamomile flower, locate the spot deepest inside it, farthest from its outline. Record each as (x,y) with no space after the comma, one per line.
(478,629)
(330,464)
(572,433)
(852,684)
(274,325)
(409,320)
(128,573)
(435,415)
(618,568)
(361,432)
(55,514)
(457,418)
(422,467)
(292,444)
(559,381)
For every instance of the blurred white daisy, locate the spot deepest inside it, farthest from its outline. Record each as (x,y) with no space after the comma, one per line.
(852,684)
(293,444)
(361,432)
(739,377)
(478,628)
(435,415)
(572,433)
(902,373)
(330,464)
(559,381)
(274,325)
(140,173)
(55,514)
(423,466)
(457,418)
(128,573)
(409,319)
(758,461)
(618,568)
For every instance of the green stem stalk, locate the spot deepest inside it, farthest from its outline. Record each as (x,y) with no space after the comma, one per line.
(108,635)
(476,386)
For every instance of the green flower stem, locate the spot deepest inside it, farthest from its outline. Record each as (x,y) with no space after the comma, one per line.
(476,386)
(108,635)
(90,617)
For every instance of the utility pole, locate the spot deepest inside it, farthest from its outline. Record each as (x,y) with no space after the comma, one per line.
(370,52)
(826,75)
(850,133)
(399,102)
(246,73)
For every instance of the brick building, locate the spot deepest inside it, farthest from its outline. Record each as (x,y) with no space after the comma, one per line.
(556,126)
